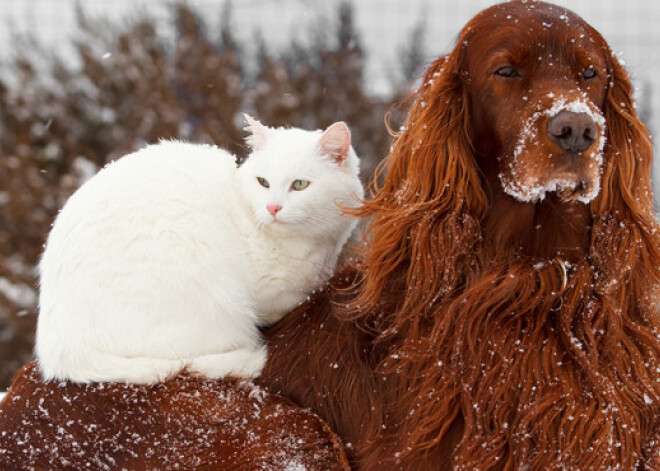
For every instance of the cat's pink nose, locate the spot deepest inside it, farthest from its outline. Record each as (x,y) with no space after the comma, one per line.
(273,209)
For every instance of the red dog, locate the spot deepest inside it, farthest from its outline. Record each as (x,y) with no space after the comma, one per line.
(504,315)
(185,423)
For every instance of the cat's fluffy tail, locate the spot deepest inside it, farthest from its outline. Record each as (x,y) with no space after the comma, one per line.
(104,367)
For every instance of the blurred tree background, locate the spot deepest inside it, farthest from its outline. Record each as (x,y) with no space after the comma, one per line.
(60,123)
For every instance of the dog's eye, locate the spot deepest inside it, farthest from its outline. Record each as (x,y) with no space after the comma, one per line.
(589,74)
(507,72)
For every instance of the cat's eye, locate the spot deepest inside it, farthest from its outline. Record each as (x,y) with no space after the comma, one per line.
(298,185)
(263,182)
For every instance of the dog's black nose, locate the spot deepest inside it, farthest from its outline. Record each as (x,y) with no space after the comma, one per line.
(574,132)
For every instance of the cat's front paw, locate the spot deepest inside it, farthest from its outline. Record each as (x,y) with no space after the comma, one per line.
(242,363)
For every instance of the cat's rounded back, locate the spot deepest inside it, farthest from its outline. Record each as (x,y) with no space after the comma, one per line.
(135,253)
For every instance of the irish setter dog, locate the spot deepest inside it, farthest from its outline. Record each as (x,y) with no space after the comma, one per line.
(504,312)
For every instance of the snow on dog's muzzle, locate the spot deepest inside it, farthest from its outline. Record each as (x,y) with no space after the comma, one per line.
(559,149)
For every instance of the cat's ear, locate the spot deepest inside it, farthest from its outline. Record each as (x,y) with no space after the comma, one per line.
(336,142)
(258,132)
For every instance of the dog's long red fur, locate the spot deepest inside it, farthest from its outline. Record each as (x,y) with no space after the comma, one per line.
(480,331)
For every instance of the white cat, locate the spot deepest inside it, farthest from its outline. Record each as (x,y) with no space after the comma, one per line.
(172,257)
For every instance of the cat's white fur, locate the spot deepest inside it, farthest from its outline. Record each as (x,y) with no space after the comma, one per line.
(169,258)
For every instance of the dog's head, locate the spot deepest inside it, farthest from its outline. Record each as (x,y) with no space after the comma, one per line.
(533,99)
(537,79)
(530,101)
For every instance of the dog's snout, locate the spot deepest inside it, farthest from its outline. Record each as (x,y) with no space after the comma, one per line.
(573,132)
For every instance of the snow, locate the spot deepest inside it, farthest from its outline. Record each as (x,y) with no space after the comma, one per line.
(533,191)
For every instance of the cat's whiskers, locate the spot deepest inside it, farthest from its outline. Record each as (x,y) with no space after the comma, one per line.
(321,220)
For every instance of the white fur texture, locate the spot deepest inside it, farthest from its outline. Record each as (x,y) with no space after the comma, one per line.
(168,258)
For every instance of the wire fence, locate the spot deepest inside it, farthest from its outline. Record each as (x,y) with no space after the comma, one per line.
(630,28)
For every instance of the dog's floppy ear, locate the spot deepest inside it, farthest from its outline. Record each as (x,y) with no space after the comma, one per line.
(432,153)
(628,149)
(431,198)
(625,242)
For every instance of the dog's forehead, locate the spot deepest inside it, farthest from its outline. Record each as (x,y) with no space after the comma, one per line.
(521,19)
(521,29)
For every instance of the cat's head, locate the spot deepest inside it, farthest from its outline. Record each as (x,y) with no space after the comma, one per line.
(293,180)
